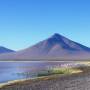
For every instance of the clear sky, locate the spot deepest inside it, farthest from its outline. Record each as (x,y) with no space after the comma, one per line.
(25,22)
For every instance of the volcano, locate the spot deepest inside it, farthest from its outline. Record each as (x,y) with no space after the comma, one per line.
(55,47)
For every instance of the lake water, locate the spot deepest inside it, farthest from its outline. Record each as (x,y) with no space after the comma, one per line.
(21,70)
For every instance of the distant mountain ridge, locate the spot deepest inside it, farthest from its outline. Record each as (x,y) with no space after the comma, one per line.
(57,46)
(5,50)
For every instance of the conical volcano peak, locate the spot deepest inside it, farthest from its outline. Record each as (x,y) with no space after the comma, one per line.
(56,35)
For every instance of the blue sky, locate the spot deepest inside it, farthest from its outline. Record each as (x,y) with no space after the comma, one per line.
(25,22)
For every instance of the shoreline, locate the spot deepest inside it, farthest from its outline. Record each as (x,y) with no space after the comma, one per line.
(31,79)
(37,79)
(44,80)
